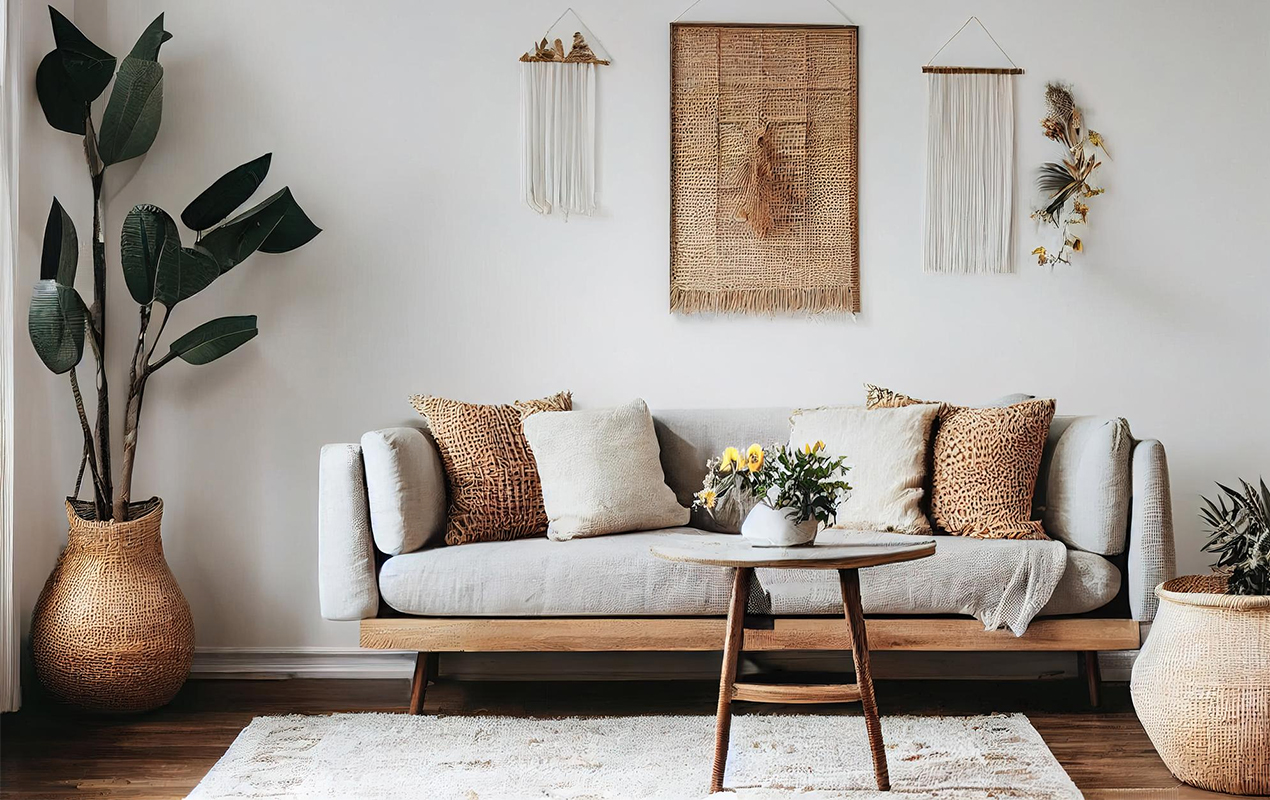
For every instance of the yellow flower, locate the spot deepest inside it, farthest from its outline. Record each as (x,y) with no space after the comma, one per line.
(819,446)
(807,449)
(707,498)
(754,457)
(1041,255)
(731,458)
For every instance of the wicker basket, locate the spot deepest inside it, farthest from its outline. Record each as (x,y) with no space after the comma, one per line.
(111,630)
(1201,685)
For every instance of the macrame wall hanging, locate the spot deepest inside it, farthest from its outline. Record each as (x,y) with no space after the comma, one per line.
(763,188)
(557,117)
(969,166)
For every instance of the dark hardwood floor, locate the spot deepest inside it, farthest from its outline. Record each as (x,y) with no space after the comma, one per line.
(49,752)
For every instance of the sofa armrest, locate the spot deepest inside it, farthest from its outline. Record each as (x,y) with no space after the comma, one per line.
(347,585)
(1152,557)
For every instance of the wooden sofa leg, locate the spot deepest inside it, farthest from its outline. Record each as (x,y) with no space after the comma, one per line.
(1093,676)
(425,670)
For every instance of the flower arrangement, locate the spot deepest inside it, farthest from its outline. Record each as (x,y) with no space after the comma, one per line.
(806,481)
(1066,185)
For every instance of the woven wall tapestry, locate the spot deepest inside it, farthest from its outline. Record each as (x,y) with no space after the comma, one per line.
(763,190)
(969,167)
(557,117)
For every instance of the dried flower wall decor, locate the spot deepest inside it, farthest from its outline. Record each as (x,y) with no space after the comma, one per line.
(1066,185)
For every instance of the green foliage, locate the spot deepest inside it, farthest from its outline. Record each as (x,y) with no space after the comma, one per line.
(57,317)
(156,266)
(229,192)
(806,481)
(72,76)
(213,339)
(1239,532)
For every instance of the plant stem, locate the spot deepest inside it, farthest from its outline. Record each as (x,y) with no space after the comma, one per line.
(132,415)
(101,508)
(97,313)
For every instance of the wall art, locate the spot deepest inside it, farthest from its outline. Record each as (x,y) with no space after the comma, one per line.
(557,116)
(763,168)
(1065,185)
(969,166)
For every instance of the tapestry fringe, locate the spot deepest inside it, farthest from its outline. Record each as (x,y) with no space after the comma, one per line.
(815,300)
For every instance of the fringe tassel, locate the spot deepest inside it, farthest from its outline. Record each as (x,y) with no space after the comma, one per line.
(820,300)
(969,173)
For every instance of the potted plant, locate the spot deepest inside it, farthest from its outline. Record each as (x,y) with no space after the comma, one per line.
(790,491)
(111,630)
(1201,684)
(729,490)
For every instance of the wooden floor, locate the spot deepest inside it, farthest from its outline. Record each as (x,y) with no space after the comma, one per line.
(49,752)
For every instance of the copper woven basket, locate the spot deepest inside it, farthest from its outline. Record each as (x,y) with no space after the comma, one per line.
(1201,685)
(111,630)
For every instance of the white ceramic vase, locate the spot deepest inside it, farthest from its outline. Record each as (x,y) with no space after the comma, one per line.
(765,526)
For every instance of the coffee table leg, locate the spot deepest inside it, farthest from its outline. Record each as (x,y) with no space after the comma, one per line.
(850,581)
(731,653)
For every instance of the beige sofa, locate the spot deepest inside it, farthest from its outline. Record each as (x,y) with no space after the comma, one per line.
(1102,495)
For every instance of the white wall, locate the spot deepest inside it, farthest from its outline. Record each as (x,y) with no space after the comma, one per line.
(395,123)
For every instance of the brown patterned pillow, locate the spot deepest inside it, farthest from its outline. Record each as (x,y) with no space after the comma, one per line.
(985,464)
(986,461)
(493,481)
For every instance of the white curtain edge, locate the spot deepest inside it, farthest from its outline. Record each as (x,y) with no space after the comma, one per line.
(11,79)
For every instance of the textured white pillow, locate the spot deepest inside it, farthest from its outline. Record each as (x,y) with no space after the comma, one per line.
(405,485)
(601,472)
(887,450)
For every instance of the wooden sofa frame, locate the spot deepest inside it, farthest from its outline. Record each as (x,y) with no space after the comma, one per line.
(432,636)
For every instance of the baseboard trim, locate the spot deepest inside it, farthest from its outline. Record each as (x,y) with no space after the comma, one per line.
(261,663)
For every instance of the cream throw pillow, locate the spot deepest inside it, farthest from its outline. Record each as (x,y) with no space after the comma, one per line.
(887,450)
(601,472)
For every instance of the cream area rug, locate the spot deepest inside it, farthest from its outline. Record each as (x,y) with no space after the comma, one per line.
(396,756)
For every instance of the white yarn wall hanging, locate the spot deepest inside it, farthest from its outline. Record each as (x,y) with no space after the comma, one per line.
(969,166)
(557,117)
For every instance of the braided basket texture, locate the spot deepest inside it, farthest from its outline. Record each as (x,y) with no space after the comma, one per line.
(111,630)
(1201,685)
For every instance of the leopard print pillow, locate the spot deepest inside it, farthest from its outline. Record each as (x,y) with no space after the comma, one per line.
(985,464)
(495,493)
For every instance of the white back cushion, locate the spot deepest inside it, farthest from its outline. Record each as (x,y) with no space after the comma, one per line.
(405,483)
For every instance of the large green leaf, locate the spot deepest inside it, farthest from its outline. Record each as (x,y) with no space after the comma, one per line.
(232,242)
(150,245)
(131,120)
(294,230)
(87,65)
(63,106)
(190,274)
(211,340)
(228,192)
(57,321)
(60,256)
(147,46)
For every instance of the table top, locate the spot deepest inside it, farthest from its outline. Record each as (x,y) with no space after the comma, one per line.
(734,551)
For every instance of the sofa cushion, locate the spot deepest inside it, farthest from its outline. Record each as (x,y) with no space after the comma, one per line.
(1087,483)
(886,450)
(405,487)
(599,576)
(601,472)
(1001,582)
(492,478)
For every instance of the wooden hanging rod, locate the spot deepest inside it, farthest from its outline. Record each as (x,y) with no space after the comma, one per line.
(974,70)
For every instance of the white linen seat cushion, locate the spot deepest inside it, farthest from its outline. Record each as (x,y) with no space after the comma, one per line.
(618,576)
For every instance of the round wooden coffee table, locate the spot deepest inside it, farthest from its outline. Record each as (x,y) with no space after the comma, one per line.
(847,559)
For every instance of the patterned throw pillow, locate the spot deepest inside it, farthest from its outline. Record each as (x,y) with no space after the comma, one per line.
(494,490)
(985,465)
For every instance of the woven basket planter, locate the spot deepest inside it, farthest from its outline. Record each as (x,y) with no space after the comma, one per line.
(111,630)
(1201,685)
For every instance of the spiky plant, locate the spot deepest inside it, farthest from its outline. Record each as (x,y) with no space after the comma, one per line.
(1240,535)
